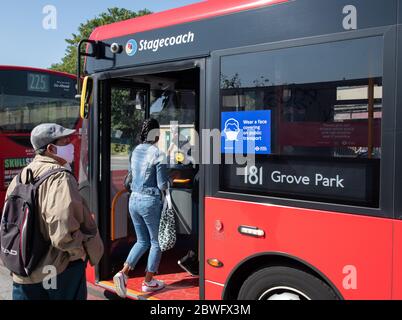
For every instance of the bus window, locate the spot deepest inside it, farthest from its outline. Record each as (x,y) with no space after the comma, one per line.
(23,113)
(174,103)
(176,112)
(323,105)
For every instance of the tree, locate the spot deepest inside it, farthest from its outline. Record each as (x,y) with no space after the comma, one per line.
(69,61)
(127,115)
(230,83)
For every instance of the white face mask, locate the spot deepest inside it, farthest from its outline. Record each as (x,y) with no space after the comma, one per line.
(68,167)
(66,152)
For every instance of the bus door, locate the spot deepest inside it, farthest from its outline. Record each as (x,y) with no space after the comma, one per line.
(127,103)
(172,98)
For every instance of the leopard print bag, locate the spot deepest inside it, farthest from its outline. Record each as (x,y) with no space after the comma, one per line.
(167,227)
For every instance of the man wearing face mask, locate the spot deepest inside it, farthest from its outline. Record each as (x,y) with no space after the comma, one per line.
(65,221)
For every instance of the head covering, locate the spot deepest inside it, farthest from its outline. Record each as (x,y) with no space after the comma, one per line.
(47,133)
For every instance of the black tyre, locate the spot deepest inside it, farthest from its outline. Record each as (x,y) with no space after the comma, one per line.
(283,283)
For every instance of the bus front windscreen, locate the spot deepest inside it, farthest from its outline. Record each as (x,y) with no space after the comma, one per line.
(28,99)
(20,114)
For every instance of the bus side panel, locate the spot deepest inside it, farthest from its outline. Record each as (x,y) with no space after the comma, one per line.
(213,291)
(90,274)
(397,267)
(353,252)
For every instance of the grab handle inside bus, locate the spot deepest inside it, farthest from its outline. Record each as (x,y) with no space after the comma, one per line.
(86,97)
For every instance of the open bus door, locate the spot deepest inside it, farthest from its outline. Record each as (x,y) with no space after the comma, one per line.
(125,101)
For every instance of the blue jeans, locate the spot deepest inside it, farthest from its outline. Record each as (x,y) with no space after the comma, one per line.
(145,211)
(71,285)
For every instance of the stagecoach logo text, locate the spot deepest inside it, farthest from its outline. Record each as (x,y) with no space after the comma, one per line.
(132,46)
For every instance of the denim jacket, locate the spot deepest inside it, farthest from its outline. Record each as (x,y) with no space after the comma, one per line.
(149,171)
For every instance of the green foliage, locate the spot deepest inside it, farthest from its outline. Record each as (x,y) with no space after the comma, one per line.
(230,83)
(69,61)
(128,114)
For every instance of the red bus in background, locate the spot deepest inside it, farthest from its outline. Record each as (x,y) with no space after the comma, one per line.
(314,83)
(29,97)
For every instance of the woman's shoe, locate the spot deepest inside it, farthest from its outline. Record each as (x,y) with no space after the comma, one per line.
(120,284)
(152,286)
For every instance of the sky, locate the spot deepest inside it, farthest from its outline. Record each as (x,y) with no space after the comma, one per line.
(25,42)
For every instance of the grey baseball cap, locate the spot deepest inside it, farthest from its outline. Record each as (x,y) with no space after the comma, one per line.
(47,133)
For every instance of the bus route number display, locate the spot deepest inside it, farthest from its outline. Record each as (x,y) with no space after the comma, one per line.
(341,180)
(254,175)
(38,82)
(246,132)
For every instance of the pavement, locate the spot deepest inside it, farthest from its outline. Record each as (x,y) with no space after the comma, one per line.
(119,163)
(6,285)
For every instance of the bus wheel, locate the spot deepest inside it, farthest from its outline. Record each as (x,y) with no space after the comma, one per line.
(283,283)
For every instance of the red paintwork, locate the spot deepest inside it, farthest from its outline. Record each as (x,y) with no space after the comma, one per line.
(327,241)
(90,274)
(18,68)
(397,262)
(213,291)
(194,12)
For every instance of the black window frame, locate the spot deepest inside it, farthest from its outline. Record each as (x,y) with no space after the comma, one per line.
(387,166)
(398,135)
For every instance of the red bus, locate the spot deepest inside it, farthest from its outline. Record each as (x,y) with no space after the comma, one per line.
(314,85)
(29,97)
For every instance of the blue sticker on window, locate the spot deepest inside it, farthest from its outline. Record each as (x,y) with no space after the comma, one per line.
(246,132)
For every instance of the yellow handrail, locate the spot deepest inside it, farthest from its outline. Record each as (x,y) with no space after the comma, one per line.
(182,181)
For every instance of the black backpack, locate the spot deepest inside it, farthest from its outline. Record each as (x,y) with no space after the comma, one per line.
(22,243)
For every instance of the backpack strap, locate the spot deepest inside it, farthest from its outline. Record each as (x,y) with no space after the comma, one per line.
(48,174)
(28,179)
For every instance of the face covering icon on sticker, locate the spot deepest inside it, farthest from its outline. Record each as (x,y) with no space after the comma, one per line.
(232,129)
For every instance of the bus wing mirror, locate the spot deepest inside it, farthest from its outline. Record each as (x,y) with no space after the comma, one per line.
(86,97)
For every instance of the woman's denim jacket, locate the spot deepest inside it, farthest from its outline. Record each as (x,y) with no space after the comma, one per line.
(149,170)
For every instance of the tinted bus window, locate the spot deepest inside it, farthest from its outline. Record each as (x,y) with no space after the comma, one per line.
(314,116)
(175,111)
(23,113)
(28,99)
